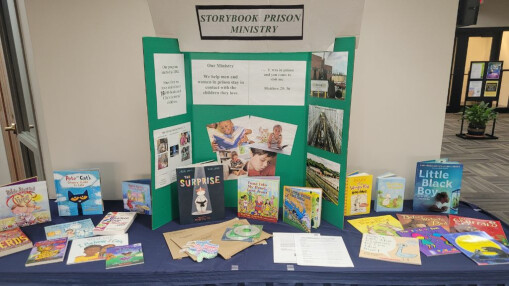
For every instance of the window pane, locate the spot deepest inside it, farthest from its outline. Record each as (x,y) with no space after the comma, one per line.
(504,90)
(479,49)
(504,49)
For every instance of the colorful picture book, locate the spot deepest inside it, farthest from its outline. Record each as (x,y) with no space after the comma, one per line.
(431,240)
(390,193)
(24,205)
(94,248)
(47,251)
(299,210)
(258,198)
(390,248)
(467,224)
(136,196)
(126,255)
(200,192)
(78,192)
(480,247)
(358,193)
(409,221)
(114,223)
(381,225)
(71,230)
(437,186)
(12,241)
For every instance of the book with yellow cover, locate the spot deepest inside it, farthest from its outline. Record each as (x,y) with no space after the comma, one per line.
(358,193)
(381,225)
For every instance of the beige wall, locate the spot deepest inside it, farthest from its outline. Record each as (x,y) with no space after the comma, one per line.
(88,60)
(400,85)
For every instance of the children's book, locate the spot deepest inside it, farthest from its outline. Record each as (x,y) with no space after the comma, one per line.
(431,240)
(390,248)
(381,225)
(467,224)
(258,198)
(480,247)
(114,223)
(12,241)
(298,207)
(24,181)
(437,186)
(200,192)
(136,195)
(78,192)
(71,230)
(47,251)
(23,205)
(94,248)
(409,221)
(126,255)
(358,193)
(390,193)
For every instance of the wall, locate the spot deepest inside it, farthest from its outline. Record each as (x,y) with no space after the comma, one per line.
(400,85)
(89,66)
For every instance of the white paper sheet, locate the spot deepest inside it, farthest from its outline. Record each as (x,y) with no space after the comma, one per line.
(284,246)
(170,84)
(327,251)
(172,149)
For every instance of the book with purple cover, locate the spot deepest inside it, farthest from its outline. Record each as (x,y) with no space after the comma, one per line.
(431,240)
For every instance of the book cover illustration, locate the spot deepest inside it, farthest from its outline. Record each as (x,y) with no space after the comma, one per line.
(431,240)
(13,240)
(71,230)
(258,198)
(437,186)
(47,251)
(358,193)
(381,225)
(316,205)
(467,224)
(390,193)
(24,181)
(324,174)
(480,247)
(78,192)
(390,248)
(200,192)
(127,255)
(409,221)
(24,205)
(297,208)
(114,223)
(136,196)
(94,248)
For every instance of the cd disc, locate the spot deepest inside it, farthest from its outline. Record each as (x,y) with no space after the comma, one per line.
(230,235)
(246,230)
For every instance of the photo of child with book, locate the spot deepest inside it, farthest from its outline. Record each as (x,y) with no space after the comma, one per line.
(262,163)
(229,134)
(272,135)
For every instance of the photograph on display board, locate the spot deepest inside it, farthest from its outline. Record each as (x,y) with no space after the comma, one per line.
(325,128)
(324,174)
(474,88)
(234,161)
(494,69)
(490,90)
(271,135)
(261,163)
(328,74)
(477,71)
(229,134)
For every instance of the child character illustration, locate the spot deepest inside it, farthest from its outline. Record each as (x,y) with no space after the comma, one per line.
(243,203)
(275,138)
(231,136)
(23,207)
(201,201)
(45,251)
(258,205)
(91,253)
(78,199)
(69,232)
(441,203)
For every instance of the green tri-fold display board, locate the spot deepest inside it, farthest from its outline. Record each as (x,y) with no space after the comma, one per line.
(291,168)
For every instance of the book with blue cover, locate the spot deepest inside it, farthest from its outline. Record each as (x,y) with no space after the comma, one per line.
(78,192)
(136,196)
(480,247)
(437,186)
(390,193)
(71,230)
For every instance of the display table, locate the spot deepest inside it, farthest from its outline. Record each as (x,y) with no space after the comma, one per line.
(255,265)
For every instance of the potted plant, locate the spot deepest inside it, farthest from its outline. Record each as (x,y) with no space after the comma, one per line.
(477,116)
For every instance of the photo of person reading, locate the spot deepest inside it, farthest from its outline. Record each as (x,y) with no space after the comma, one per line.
(441,203)
(262,163)
(275,138)
(225,135)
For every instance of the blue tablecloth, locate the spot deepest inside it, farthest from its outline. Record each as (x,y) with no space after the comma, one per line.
(255,265)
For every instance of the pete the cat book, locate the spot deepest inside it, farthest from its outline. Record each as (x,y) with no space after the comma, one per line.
(200,192)
(136,195)
(437,186)
(258,198)
(23,205)
(78,192)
